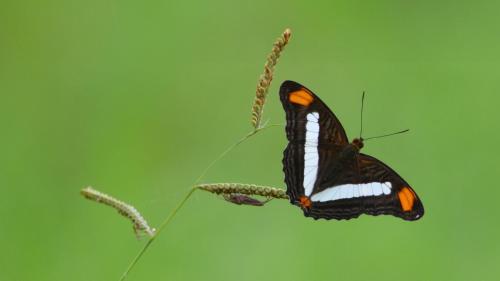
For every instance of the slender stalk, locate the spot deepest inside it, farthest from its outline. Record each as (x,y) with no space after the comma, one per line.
(225,152)
(162,226)
(193,189)
(257,109)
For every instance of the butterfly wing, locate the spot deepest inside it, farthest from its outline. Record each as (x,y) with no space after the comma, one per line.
(310,123)
(298,102)
(376,190)
(404,201)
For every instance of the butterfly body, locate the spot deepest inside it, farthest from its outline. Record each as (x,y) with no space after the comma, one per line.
(330,178)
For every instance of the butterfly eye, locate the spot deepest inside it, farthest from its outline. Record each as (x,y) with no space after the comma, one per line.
(358,143)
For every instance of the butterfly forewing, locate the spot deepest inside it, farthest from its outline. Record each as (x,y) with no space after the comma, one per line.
(306,116)
(293,165)
(298,102)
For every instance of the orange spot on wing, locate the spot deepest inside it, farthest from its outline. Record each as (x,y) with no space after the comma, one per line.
(407,198)
(302,97)
(305,202)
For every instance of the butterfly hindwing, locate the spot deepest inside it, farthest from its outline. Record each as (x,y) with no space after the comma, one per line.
(375,190)
(404,200)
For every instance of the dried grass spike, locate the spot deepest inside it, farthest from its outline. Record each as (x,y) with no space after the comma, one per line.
(266,78)
(247,189)
(126,210)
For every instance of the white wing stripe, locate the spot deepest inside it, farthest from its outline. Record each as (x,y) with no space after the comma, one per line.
(311,151)
(346,191)
(377,188)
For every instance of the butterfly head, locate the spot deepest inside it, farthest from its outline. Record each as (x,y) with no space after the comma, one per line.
(358,143)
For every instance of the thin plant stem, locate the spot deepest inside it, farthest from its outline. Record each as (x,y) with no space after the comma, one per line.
(162,226)
(225,152)
(261,92)
(193,189)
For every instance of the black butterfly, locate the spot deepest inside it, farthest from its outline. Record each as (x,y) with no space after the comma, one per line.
(327,176)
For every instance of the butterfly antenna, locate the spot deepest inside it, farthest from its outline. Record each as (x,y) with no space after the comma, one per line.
(391,134)
(362,105)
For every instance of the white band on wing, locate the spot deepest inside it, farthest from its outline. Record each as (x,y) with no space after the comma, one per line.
(346,191)
(311,157)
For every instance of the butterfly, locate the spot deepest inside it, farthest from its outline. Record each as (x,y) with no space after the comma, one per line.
(328,177)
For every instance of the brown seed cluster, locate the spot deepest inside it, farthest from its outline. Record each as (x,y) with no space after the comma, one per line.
(266,78)
(126,210)
(242,188)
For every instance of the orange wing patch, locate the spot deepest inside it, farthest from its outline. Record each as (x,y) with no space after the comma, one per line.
(305,202)
(407,198)
(302,97)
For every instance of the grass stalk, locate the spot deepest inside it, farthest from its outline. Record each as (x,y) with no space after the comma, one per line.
(181,204)
(160,229)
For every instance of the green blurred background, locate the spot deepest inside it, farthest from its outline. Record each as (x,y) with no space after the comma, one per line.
(136,98)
